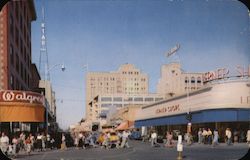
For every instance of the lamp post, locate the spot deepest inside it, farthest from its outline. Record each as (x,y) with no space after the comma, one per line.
(47,79)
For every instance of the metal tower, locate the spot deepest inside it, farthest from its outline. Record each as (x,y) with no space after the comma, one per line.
(43,59)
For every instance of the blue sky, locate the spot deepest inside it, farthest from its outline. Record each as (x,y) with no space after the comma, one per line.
(107,33)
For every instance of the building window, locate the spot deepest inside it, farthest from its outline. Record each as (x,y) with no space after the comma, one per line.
(106,105)
(11,55)
(199,80)
(117,99)
(138,99)
(158,99)
(148,99)
(17,37)
(11,25)
(192,80)
(186,80)
(12,81)
(106,99)
(118,105)
(21,68)
(16,10)
(17,63)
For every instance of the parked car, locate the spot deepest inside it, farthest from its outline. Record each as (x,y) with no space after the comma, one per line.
(135,135)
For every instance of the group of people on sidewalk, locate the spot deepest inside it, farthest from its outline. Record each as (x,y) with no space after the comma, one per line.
(205,136)
(113,139)
(11,145)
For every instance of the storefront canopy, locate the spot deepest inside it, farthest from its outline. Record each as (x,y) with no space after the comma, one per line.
(20,106)
(205,116)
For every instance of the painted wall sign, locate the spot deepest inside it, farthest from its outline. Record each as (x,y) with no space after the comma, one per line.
(168,109)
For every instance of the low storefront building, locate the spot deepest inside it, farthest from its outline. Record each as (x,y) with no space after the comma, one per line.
(218,105)
(21,110)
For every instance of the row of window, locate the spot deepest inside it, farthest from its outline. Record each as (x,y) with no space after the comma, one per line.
(129,99)
(21,29)
(16,84)
(101,80)
(19,65)
(193,80)
(130,73)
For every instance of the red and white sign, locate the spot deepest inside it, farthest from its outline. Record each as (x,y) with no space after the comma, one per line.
(224,73)
(21,96)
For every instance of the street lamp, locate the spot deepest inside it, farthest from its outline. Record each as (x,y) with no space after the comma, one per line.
(47,78)
(63,68)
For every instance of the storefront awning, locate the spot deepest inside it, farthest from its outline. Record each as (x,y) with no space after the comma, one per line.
(205,116)
(21,106)
(21,113)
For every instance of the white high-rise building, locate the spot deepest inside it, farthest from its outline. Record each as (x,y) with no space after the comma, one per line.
(174,81)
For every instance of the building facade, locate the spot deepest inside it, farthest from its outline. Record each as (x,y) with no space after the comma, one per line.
(15,45)
(128,80)
(174,81)
(219,104)
(19,78)
(103,106)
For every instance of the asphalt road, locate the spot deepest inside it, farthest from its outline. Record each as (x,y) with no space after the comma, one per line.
(143,151)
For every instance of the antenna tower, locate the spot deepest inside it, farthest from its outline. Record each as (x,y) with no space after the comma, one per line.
(43,59)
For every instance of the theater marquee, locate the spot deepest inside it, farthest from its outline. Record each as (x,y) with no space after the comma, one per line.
(21,106)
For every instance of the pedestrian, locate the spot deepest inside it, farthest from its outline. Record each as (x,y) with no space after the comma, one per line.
(28,145)
(209,136)
(81,140)
(32,139)
(188,137)
(236,136)
(63,144)
(154,139)
(14,146)
(248,136)
(43,142)
(76,141)
(39,142)
(47,143)
(216,137)
(204,136)
(228,134)
(52,143)
(124,143)
(200,136)
(105,140)
(22,141)
(169,137)
(4,140)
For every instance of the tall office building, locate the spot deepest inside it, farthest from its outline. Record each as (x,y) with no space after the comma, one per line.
(174,81)
(18,76)
(128,80)
(15,45)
